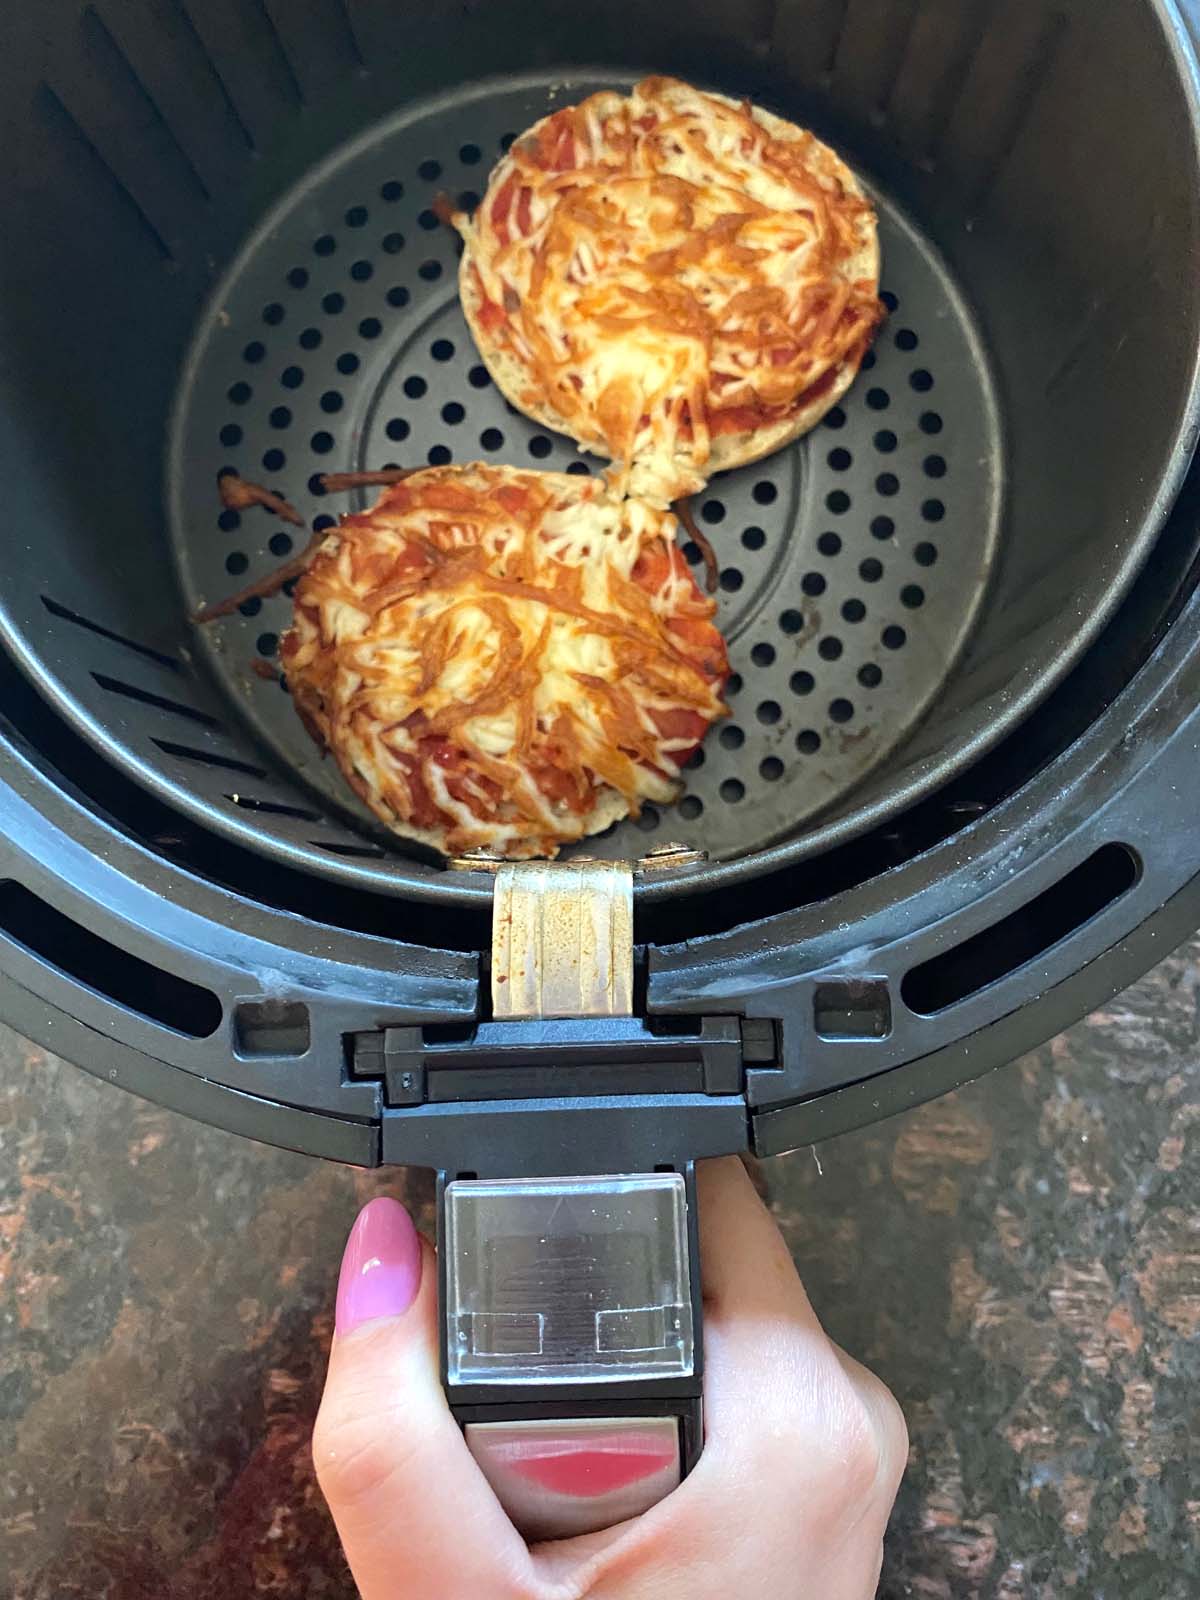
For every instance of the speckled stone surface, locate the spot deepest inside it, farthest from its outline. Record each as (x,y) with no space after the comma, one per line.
(1021,1262)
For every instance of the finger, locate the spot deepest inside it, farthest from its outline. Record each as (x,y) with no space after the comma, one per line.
(415,1514)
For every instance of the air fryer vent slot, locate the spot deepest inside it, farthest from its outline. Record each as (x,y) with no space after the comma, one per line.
(1025,934)
(65,614)
(121,977)
(160,702)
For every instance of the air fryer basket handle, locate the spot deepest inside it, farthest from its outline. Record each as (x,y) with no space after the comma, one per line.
(571,1341)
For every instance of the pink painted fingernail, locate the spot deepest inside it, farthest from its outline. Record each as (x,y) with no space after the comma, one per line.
(381,1265)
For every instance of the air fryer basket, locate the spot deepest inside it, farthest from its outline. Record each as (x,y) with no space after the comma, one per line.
(963,613)
(899,590)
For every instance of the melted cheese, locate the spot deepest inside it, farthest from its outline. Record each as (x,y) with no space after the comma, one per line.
(642,264)
(498,658)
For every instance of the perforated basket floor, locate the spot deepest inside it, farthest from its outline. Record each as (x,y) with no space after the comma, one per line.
(852,564)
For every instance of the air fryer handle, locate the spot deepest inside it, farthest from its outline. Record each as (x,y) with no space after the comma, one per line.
(571,1341)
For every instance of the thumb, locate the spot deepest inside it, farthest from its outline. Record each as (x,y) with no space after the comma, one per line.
(415,1514)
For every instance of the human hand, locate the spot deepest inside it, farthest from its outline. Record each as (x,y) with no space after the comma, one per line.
(804,1448)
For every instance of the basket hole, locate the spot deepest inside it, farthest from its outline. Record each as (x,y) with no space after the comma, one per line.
(254,352)
(869,675)
(853,610)
(274,460)
(267,644)
(765,494)
(882,527)
(325,245)
(791,621)
(230,435)
(933,510)
(830,648)
(890,300)
(733,684)
(491,438)
(921,380)
(934,466)
(579,469)
(323,521)
(470,155)
(808,742)
(271,1027)
(292,377)
(453,413)
(397,429)
(731,737)
(763,655)
(540,447)
(392,190)
(878,399)
(229,521)
(322,443)
(310,338)
(392,243)
(273,314)
(356,217)
(852,1008)
(397,296)
(280,544)
(280,417)
(430,271)
(835,418)
(347,363)
(438,456)
(753,538)
(415,386)
(713,512)
(429,220)
(894,637)
(236,562)
(870,570)
(840,460)
(906,339)
(442,350)
(925,554)
(239,393)
(841,710)
(768,712)
(298,278)
(362,271)
(771,768)
(931,423)
(829,544)
(813,584)
(887,483)
(838,501)
(648,819)
(131,691)
(370,328)
(802,682)
(885,441)
(430,169)
(479,377)
(507,140)
(912,596)
(691,807)
(731,580)
(696,760)
(732,790)
(333,303)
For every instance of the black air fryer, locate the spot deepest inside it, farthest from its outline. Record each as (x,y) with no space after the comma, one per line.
(955,805)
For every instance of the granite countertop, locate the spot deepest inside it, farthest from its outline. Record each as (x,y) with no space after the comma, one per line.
(1021,1262)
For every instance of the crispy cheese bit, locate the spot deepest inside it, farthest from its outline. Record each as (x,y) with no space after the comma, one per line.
(659,271)
(505,660)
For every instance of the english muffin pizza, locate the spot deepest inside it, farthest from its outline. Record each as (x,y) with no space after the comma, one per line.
(681,282)
(504,659)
